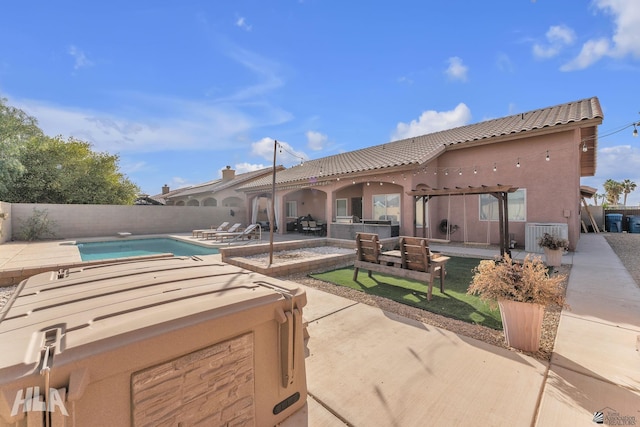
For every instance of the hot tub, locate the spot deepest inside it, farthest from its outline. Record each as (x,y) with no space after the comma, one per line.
(158,342)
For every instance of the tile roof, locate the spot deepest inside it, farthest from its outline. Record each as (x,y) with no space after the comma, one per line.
(216,185)
(420,149)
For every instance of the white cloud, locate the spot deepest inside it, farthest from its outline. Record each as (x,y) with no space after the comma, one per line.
(504,63)
(181,125)
(241,22)
(625,40)
(246,167)
(405,80)
(433,121)
(558,37)
(285,155)
(316,140)
(592,51)
(81,60)
(457,70)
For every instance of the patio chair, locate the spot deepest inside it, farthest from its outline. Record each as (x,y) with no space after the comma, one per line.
(221,227)
(208,234)
(314,228)
(253,231)
(304,226)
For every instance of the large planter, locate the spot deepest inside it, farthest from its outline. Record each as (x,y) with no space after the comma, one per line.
(522,324)
(553,257)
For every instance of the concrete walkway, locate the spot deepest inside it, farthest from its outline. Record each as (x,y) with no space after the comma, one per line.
(367,367)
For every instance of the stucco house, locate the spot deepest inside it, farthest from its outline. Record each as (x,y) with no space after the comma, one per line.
(541,155)
(219,192)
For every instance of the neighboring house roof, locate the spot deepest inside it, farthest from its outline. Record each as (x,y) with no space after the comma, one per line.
(421,149)
(216,185)
(146,200)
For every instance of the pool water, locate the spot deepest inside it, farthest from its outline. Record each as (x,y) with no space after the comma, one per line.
(92,251)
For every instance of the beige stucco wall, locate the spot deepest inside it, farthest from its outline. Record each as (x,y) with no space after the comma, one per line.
(72,221)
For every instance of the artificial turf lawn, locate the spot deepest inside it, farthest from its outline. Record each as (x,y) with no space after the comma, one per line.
(454,303)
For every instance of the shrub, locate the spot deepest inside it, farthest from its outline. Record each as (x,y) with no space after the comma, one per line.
(528,281)
(37,226)
(553,242)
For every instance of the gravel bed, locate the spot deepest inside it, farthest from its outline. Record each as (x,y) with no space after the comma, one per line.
(262,260)
(627,247)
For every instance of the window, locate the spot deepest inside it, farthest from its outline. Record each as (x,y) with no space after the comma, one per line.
(386,207)
(341,207)
(517,206)
(292,209)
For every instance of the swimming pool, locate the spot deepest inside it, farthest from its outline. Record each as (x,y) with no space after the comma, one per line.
(91,251)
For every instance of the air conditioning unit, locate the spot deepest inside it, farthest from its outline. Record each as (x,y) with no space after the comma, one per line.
(535,230)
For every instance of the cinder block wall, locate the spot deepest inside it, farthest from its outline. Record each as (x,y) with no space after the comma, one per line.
(73,221)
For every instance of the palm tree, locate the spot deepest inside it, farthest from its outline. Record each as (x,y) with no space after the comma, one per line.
(627,187)
(613,190)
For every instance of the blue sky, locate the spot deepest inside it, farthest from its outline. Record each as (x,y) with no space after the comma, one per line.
(179,90)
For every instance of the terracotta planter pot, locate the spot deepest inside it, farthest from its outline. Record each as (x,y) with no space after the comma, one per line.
(553,257)
(522,324)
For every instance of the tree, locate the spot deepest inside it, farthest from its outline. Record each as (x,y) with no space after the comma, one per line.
(16,129)
(627,187)
(613,190)
(35,168)
(58,171)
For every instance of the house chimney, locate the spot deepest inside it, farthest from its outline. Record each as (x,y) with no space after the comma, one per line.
(165,189)
(228,174)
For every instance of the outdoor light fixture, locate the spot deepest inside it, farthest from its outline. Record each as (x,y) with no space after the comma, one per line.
(635,130)
(518,164)
(547,159)
(584,147)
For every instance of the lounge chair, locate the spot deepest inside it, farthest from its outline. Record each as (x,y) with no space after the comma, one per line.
(253,231)
(210,234)
(221,227)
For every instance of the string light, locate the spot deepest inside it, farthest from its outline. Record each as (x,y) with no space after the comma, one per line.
(392,178)
(584,147)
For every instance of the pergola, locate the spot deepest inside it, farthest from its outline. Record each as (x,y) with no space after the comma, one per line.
(498,191)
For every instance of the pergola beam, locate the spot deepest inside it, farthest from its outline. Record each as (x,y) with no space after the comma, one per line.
(500,192)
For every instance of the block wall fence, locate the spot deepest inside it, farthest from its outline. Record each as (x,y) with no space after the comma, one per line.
(73,221)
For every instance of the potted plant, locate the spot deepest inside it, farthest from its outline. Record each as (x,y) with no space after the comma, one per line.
(522,291)
(554,247)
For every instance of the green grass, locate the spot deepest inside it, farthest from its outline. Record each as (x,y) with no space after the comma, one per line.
(454,303)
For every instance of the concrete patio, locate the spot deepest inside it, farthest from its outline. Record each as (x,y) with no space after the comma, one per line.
(367,367)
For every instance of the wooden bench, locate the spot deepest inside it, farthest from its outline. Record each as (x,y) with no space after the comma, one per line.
(415,260)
